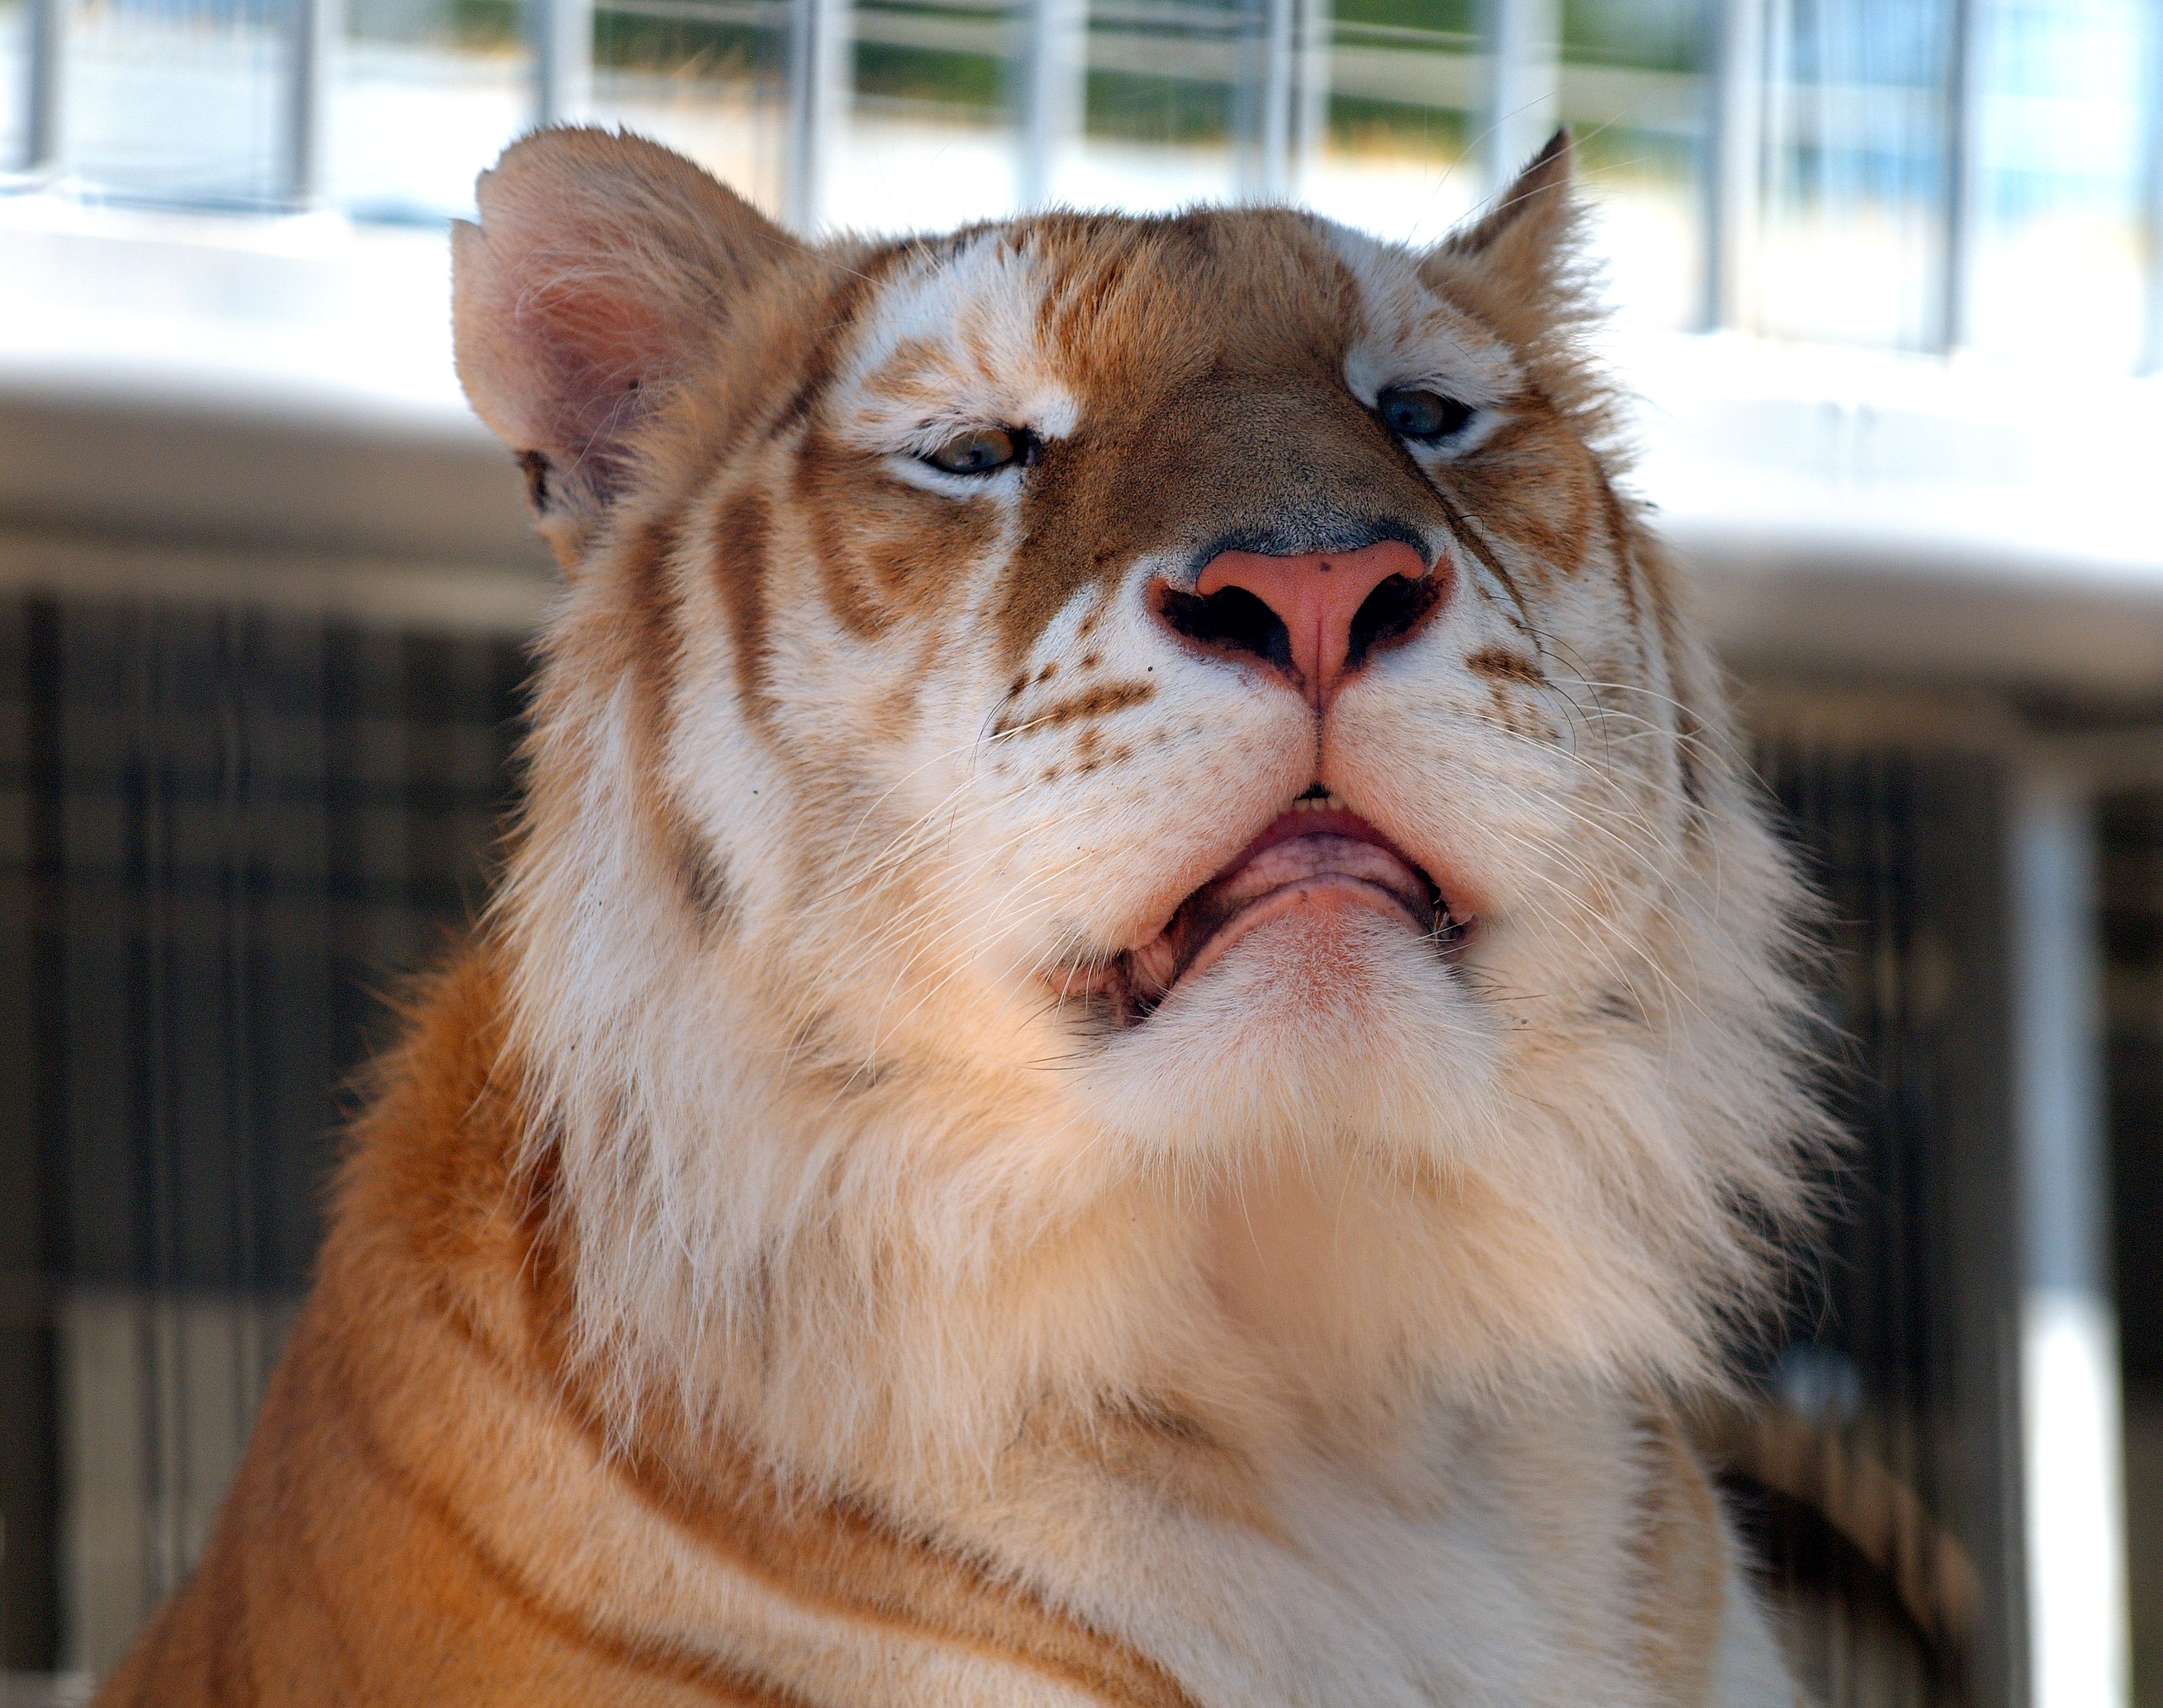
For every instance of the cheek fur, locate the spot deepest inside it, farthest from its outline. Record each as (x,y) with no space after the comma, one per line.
(846,1101)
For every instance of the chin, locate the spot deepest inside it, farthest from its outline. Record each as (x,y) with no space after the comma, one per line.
(1320,1029)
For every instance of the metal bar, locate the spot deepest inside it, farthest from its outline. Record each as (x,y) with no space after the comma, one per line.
(317,26)
(1310,129)
(1249,46)
(1779,164)
(1054,94)
(1966,88)
(1734,160)
(2151,341)
(2072,1426)
(1524,102)
(1277,88)
(817,104)
(48,27)
(562,60)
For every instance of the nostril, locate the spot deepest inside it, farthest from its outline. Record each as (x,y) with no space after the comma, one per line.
(1231,619)
(1396,606)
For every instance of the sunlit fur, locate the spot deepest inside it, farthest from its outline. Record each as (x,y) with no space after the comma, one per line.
(841,1171)
(1318,1335)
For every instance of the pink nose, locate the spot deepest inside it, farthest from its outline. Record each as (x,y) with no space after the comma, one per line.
(1317,596)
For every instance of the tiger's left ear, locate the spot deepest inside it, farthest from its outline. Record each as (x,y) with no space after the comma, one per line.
(604,270)
(1519,252)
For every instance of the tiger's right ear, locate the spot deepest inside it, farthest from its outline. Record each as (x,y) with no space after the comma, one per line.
(604,267)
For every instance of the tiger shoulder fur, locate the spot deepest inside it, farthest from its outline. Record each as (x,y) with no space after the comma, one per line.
(1139,1039)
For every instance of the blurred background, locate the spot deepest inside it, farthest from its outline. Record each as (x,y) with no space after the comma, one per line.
(1888,274)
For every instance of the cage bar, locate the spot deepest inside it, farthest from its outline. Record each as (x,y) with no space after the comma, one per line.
(2071,1447)
(1731,177)
(817,104)
(1310,112)
(1960,213)
(47,32)
(562,60)
(1054,94)
(1524,102)
(317,26)
(2151,342)
(1278,91)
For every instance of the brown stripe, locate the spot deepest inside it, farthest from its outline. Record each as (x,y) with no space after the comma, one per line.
(713,1679)
(839,1557)
(743,534)
(704,878)
(1682,1562)
(1494,661)
(840,571)
(860,278)
(1620,544)
(311,1583)
(655,663)
(832,1556)
(1463,529)
(656,656)
(1092,703)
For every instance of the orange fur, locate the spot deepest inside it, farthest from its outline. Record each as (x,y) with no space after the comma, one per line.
(425,1414)
(771,1271)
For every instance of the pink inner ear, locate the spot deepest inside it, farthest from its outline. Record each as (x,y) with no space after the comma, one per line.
(600,265)
(598,348)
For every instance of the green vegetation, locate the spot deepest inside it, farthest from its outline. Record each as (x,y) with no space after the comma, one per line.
(1451,17)
(1157,109)
(1645,35)
(970,84)
(483,23)
(1655,35)
(476,25)
(1357,124)
(686,47)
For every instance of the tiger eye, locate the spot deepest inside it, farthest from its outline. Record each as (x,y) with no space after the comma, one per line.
(1415,413)
(979,451)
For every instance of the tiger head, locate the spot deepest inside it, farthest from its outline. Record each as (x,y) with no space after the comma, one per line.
(1113,802)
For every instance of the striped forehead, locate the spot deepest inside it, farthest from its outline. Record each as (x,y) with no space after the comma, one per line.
(1021,323)
(953,338)
(1412,335)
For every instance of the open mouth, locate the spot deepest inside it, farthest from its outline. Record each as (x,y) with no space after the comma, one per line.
(1314,857)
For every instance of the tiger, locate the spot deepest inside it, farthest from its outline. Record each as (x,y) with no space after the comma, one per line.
(1141,1040)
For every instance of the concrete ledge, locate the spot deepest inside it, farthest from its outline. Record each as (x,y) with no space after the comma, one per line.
(1821,602)
(266,409)
(475,597)
(265,476)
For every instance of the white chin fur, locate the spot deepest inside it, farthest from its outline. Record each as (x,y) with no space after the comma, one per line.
(1312,1030)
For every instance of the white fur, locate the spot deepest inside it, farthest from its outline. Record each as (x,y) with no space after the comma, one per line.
(841,1178)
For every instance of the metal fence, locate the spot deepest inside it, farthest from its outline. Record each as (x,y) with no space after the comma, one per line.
(1905,1344)
(1925,174)
(2130,825)
(223,834)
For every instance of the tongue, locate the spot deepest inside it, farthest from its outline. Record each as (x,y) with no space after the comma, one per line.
(1302,857)
(1321,862)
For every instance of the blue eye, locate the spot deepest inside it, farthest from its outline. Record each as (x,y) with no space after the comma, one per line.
(981,451)
(1422,416)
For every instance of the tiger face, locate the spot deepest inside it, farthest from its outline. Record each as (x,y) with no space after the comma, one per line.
(1113,795)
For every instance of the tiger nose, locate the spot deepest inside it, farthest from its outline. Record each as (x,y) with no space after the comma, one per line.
(1314,617)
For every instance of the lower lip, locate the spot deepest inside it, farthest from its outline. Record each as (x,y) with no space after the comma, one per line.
(1324,894)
